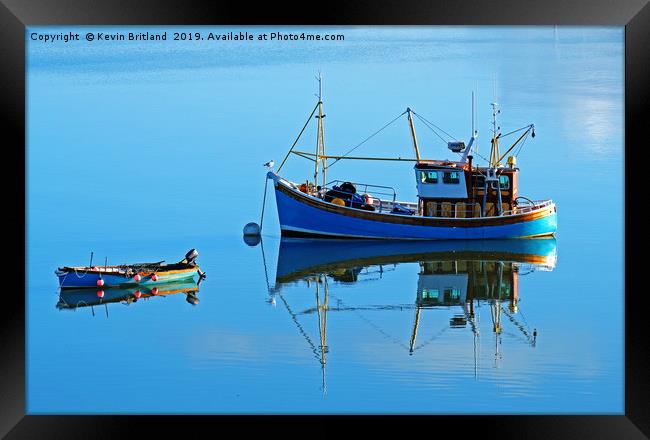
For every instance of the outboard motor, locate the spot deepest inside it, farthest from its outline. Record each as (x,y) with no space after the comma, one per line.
(192,298)
(191,256)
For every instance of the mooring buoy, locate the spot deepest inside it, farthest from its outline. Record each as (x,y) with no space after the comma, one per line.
(252,229)
(252,240)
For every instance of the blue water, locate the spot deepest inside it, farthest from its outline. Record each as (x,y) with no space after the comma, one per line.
(139,151)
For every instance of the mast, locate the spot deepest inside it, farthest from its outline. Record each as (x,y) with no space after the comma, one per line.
(414,334)
(321,309)
(415,139)
(494,149)
(320,136)
(468,150)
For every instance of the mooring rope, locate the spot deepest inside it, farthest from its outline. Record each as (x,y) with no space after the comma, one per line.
(266,182)
(266,273)
(76,273)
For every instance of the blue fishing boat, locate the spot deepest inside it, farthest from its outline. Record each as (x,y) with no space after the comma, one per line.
(125,275)
(455,280)
(301,257)
(456,199)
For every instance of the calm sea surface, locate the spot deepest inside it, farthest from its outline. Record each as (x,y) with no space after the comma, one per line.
(139,151)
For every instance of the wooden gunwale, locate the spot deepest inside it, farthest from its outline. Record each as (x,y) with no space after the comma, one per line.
(86,270)
(513,257)
(414,220)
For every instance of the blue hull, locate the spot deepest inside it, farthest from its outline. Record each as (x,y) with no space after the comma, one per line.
(302,254)
(305,217)
(297,255)
(75,298)
(73,280)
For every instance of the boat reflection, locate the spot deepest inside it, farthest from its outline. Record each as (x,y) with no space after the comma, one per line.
(457,276)
(72,299)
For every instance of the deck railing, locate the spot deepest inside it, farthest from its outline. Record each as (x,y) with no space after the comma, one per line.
(453,210)
(521,209)
(373,193)
(387,205)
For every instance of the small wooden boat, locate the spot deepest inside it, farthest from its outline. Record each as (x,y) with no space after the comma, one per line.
(455,198)
(70,299)
(124,275)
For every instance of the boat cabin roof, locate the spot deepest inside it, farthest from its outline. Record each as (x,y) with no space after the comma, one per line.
(442,164)
(432,164)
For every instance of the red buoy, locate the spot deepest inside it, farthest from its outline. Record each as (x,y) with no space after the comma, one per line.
(137,294)
(100,293)
(154,277)
(137,278)
(100,282)
(154,291)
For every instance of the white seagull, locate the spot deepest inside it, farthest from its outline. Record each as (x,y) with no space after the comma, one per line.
(269,164)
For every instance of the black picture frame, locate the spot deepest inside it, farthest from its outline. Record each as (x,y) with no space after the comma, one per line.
(16,15)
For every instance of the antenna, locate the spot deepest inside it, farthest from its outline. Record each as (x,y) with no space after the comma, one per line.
(495,111)
(319,78)
(477,123)
(468,149)
(472,113)
(472,140)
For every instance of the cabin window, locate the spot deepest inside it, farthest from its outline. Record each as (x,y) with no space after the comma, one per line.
(430,294)
(504,183)
(451,294)
(479,181)
(451,177)
(429,176)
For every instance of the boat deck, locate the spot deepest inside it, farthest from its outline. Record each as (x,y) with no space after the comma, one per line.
(385,206)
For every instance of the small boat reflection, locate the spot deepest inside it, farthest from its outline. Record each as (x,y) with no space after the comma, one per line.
(452,275)
(72,299)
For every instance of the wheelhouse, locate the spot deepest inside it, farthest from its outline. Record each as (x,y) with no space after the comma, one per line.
(450,189)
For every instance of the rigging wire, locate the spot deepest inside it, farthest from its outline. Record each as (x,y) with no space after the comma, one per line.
(481,156)
(367,139)
(429,122)
(302,331)
(298,138)
(372,324)
(430,125)
(430,128)
(525,321)
(521,328)
(515,131)
(521,146)
(431,339)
